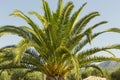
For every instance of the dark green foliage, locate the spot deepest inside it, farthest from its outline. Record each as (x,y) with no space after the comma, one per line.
(94,72)
(115,75)
(89,72)
(71,76)
(19,75)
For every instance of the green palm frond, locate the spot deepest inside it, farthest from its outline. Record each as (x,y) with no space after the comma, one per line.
(80,25)
(89,35)
(29,21)
(40,17)
(110,52)
(98,24)
(117,30)
(5,48)
(76,15)
(90,52)
(20,74)
(30,56)
(47,11)
(60,51)
(73,41)
(20,14)
(14,30)
(59,9)
(89,60)
(63,24)
(88,32)
(35,38)
(97,68)
(83,43)
(64,17)
(63,55)
(19,50)
(10,65)
(76,66)
(6,53)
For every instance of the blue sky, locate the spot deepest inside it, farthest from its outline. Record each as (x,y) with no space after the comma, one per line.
(108,9)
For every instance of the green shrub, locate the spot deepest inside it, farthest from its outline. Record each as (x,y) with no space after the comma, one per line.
(115,75)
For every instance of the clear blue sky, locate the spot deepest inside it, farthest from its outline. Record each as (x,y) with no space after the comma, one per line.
(109,10)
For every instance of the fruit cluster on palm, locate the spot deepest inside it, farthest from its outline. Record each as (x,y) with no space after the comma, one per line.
(55,49)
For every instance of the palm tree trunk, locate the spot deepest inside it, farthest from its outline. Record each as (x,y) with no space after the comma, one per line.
(55,78)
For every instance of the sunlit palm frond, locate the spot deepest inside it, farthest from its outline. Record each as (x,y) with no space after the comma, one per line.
(80,25)
(75,16)
(90,52)
(47,11)
(89,60)
(97,68)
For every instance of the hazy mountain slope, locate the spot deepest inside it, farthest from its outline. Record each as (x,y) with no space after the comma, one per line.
(109,65)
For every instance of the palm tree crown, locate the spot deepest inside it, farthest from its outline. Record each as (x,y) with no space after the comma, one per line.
(54,49)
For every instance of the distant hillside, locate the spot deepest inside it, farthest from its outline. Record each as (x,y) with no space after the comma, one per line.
(109,65)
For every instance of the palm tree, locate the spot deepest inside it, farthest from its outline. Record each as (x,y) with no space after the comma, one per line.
(55,49)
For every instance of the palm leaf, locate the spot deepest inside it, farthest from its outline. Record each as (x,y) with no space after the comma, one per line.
(40,17)
(76,15)
(90,52)
(88,32)
(20,49)
(14,30)
(96,67)
(80,25)
(85,41)
(89,60)
(76,66)
(98,24)
(65,13)
(117,30)
(30,22)
(59,9)
(47,11)
(110,52)
(89,35)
